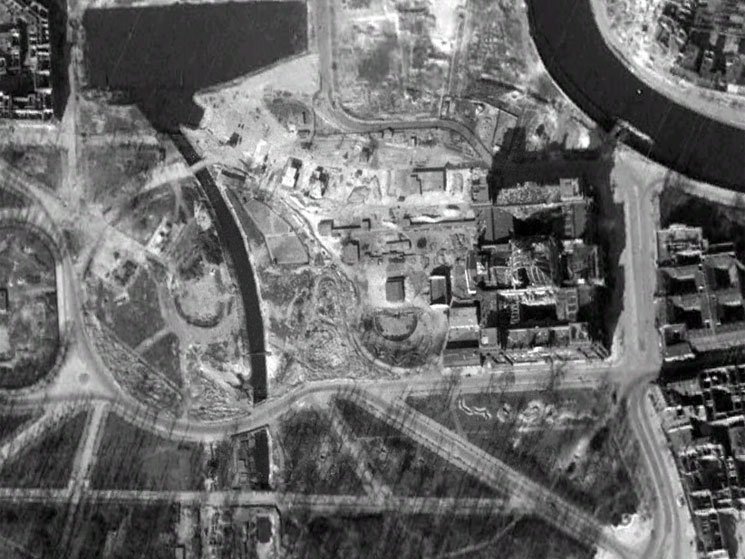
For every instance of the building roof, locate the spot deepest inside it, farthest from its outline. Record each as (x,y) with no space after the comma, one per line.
(438,286)
(461,356)
(495,224)
(464,317)
(679,240)
(575,219)
(350,252)
(429,179)
(394,289)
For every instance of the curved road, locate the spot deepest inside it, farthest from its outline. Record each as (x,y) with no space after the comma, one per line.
(326,100)
(668,531)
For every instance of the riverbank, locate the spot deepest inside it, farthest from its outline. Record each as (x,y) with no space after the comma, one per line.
(724,107)
(580,60)
(230,235)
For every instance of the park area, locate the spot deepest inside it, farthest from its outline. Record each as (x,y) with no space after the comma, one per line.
(29,328)
(131,457)
(576,441)
(314,458)
(443,535)
(405,466)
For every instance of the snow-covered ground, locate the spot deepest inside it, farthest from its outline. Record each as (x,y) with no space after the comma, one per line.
(633,533)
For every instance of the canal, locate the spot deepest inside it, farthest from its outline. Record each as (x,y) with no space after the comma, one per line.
(575,54)
(230,235)
(159,57)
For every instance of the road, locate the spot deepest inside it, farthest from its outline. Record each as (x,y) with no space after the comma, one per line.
(638,362)
(268,411)
(328,108)
(320,504)
(667,526)
(543,502)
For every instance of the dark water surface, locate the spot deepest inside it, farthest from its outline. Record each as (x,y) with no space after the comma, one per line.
(230,235)
(59,54)
(162,55)
(578,59)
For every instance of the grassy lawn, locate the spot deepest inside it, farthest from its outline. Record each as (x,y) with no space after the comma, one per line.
(47,462)
(407,467)
(314,458)
(418,536)
(33,528)
(132,458)
(570,440)
(10,423)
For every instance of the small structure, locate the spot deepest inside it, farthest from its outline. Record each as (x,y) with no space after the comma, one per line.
(350,252)
(462,348)
(428,180)
(289,179)
(394,289)
(438,290)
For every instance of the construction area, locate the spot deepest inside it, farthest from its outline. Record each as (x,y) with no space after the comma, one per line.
(472,62)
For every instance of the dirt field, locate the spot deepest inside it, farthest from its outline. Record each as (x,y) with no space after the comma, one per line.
(114,174)
(138,316)
(390,61)
(407,338)
(160,283)
(43,164)
(311,319)
(164,355)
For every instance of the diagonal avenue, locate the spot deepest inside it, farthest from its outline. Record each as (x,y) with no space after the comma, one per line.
(522,491)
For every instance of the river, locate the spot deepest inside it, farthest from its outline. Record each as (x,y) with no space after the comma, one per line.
(584,67)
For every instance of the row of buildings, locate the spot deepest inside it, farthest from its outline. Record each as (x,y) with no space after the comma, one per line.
(527,290)
(25,61)
(705,426)
(699,303)
(708,40)
(700,314)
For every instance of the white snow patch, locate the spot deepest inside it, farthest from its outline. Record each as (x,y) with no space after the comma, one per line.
(633,532)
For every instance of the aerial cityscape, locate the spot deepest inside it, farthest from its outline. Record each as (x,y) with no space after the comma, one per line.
(415,279)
